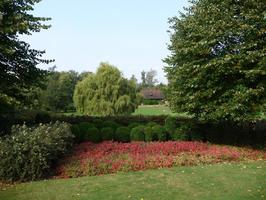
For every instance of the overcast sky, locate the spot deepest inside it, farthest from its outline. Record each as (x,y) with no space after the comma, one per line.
(130,34)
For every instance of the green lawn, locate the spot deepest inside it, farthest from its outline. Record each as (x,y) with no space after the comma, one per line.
(156,110)
(224,182)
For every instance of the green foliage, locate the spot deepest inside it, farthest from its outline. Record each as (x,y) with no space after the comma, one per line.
(159,132)
(151,102)
(28,153)
(17,60)
(110,124)
(105,93)
(93,135)
(133,125)
(180,134)
(79,136)
(151,124)
(170,125)
(107,133)
(42,117)
(137,133)
(149,134)
(97,123)
(58,95)
(122,134)
(216,69)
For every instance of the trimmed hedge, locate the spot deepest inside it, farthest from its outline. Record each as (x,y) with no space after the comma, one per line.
(29,153)
(107,133)
(137,134)
(160,132)
(149,134)
(122,134)
(93,135)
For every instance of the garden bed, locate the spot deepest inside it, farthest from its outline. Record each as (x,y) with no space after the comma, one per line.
(89,159)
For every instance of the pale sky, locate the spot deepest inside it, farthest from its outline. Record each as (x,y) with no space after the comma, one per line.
(131,35)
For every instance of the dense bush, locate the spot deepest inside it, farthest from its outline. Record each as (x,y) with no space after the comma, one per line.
(179,134)
(151,102)
(137,134)
(160,132)
(84,126)
(151,124)
(107,133)
(110,124)
(28,153)
(122,134)
(93,135)
(133,125)
(42,117)
(170,125)
(79,137)
(149,134)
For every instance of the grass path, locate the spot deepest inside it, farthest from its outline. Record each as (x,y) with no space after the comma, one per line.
(244,181)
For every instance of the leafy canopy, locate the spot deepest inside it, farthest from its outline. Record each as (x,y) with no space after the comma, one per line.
(17,60)
(105,93)
(217,66)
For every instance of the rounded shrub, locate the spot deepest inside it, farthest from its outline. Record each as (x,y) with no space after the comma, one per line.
(84,126)
(149,134)
(110,124)
(170,125)
(122,134)
(42,117)
(97,123)
(79,137)
(137,134)
(160,132)
(133,125)
(152,124)
(180,135)
(93,135)
(107,133)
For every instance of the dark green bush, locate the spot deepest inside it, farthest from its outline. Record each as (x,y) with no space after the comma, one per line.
(79,137)
(28,153)
(149,134)
(151,102)
(97,123)
(137,134)
(107,133)
(93,135)
(152,124)
(180,134)
(122,134)
(170,125)
(133,125)
(160,132)
(110,124)
(84,126)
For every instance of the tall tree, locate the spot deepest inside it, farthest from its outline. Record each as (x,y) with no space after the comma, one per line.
(18,61)
(105,93)
(216,69)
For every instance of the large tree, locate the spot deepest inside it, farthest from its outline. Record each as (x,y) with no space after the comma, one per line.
(18,61)
(217,66)
(105,93)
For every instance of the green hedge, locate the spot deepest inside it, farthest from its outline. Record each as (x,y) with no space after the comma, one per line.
(122,134)
(29,153)
(137,134)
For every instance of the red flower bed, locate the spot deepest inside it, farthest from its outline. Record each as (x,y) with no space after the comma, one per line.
(110,157)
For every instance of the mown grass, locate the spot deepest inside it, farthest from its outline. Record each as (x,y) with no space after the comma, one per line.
(156,110)
(242,181)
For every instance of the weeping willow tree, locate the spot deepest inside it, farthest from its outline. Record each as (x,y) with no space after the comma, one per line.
(105,93)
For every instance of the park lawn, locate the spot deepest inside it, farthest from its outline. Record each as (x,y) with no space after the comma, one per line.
(156,110)
(239,181)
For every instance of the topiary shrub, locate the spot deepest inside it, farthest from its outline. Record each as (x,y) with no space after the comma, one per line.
(84,126)
(151,124)
(122,134)
(170,125)
(180,135)
(107,133)
(149,134)
(79,137)
(133,125)
(97,123)
(160,132)
(93,135)
(28,153)
(110,124)
(137,134)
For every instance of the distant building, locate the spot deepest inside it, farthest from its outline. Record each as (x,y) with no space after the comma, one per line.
(152,94)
